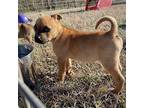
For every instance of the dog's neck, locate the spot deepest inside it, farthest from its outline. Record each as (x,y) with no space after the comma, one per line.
(58,35)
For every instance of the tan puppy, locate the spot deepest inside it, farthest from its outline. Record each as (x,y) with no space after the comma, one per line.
(68,44)
(25,31)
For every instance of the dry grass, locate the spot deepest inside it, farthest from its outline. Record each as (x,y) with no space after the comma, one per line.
(89,87)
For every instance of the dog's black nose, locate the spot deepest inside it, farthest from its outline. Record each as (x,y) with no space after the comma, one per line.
(38,39)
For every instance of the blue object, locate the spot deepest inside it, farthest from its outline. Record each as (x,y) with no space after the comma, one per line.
(22,18)
(24,50)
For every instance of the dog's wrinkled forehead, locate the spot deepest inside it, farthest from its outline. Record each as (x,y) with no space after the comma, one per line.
(48,20)
(43,21)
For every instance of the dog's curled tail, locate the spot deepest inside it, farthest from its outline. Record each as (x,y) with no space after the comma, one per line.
(114,25)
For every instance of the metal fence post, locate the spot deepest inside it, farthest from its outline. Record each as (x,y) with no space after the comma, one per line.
(30,99)
(26,103)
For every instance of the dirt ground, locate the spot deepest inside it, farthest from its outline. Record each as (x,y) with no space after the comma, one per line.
(89,86)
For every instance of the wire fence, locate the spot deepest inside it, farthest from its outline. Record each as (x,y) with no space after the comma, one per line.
(38,5)
(30,99)
(29,96)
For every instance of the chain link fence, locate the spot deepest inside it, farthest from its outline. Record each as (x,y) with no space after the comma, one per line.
(38,5)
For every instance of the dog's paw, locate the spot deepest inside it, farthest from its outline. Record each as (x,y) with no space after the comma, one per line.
(70,73)
(59,81)
(114,91)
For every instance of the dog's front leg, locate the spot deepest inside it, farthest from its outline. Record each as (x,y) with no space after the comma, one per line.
(62,69)
(69,71)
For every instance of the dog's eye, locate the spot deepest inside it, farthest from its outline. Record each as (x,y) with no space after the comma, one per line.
(46,29)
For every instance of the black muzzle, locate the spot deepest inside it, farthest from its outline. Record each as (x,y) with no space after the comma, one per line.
(38,39)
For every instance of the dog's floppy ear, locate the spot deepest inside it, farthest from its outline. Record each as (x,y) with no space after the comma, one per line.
(21,31)
(56,16)
(22,27)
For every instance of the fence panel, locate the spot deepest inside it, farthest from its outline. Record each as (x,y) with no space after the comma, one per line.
(38,5)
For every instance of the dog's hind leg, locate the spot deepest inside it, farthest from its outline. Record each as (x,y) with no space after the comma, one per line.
(113,69)
(62,70)
(120,67)
(69,71)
